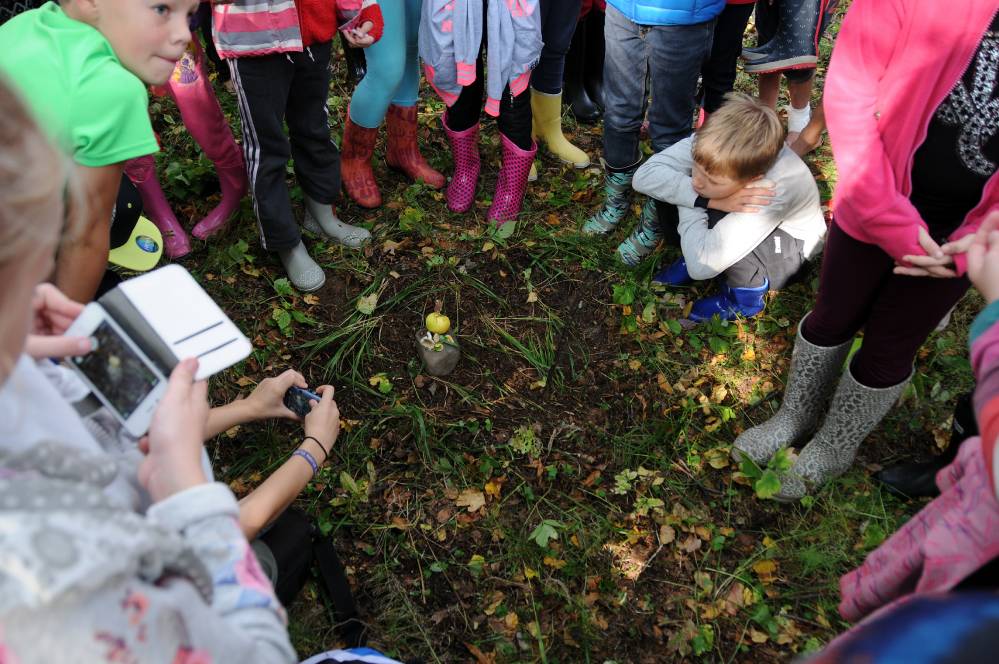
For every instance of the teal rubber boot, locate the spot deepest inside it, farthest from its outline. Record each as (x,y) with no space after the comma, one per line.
(617,199)
(643,239)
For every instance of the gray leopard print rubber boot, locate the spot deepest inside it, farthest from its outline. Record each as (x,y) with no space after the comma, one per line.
(854,412)
(813,374)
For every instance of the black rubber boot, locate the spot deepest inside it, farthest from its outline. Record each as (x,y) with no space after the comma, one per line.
(357,66)
(573,91)
(795,46)
(593,61)
(918,479)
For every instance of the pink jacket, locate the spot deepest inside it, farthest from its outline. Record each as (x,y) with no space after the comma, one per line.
(894,62)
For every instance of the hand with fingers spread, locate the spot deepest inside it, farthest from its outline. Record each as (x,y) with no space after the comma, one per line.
(935,263)
(176,434)
(983,258)
(53,313)
(267,399)
(751,198)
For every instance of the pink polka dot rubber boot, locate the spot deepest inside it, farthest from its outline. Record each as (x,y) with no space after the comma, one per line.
(465,152)
(512,182)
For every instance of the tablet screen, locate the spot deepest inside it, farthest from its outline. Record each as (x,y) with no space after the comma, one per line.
(115,371)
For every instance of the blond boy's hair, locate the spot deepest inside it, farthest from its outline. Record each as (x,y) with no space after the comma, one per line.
(741,140)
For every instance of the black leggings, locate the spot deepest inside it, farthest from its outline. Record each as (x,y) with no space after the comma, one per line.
(857,290)
(718,73)
(514,119)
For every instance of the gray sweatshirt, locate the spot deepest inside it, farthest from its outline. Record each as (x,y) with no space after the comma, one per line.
(710,251)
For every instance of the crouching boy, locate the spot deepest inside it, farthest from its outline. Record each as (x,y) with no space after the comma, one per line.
(744,205)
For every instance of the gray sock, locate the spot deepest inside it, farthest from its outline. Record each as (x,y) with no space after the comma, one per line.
(321,219)
(304,272)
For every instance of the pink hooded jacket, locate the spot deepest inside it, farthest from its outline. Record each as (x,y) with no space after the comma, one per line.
(894,62)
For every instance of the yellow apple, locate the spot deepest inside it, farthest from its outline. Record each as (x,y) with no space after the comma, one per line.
(438,323)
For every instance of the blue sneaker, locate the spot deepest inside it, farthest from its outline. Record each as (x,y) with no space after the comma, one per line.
(730,303)
(674,275)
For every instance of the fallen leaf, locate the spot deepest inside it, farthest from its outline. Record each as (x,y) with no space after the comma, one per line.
(691,544)
(366,305)
(472,499)
(757,636)
(532,297)
(666,534)
(481,657)
(554,563)
(511,620)
(766,570)
(493,600)
(311,299)
(493,488)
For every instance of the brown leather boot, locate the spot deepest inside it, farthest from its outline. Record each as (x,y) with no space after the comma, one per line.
(355,164)
(403,153)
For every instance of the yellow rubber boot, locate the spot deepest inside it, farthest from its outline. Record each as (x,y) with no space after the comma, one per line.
(547,128)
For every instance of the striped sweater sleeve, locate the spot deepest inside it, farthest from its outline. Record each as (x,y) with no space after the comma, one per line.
(984,340)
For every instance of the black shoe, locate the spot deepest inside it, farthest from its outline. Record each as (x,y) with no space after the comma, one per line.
(573,91)
(918,479)
(357,66)
(912,480)
(593,61)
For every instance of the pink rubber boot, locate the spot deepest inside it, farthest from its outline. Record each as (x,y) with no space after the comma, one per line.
(203,117)
(512,182)
(465,152)
(142,172)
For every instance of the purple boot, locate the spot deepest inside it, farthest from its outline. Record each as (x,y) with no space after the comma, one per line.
(512,182)
(142,172)
(465,152)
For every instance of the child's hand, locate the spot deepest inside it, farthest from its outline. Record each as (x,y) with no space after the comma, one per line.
(323,422)
(935,263)
(983,258)
(173,447)
(750,198)
(53,313)
(359,37)
(267,399)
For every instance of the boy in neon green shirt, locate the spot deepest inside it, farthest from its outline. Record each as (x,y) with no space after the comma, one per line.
(81,65)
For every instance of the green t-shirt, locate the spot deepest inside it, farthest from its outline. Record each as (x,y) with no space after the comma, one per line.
(81,95)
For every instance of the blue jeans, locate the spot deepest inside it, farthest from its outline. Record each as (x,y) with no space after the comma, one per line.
(666,58)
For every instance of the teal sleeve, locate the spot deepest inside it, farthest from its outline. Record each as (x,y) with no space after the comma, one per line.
(983,321)
(110,119)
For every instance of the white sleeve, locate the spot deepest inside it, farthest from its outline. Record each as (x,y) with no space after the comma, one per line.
(711,251)
(666,176)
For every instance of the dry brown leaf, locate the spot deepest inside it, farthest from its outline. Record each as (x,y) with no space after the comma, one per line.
(493,600)
(481,657)
(472,499)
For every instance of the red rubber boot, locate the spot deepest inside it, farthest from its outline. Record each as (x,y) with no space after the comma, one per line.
(355,164)
(403,152)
